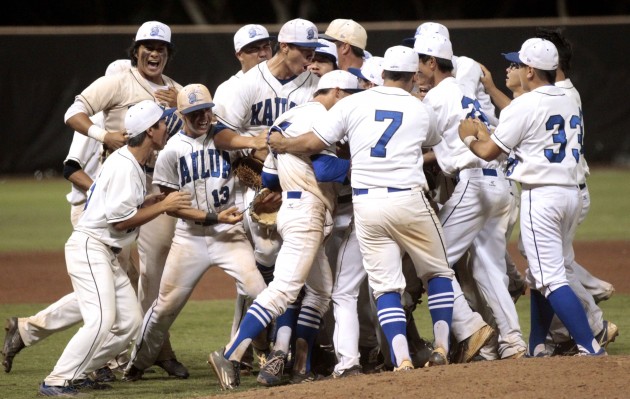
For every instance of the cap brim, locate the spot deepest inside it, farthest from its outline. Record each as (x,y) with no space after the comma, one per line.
(309,44)
(264,39)
(327,37)
(196,108)
(409,41)
(512,57)
(353,90)
(357,72)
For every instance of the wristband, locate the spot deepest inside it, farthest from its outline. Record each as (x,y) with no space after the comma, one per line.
(469,139)
(97,133)
(211,218)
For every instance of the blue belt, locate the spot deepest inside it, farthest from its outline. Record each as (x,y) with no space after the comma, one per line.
(582,186)
(362,191)
(489,172)
(294,194)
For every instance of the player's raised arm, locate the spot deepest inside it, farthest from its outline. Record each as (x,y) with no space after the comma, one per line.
(308,143)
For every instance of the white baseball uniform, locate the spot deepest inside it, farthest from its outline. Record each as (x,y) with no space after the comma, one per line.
(107,300)
(253,106)
(194,165)
(477,213)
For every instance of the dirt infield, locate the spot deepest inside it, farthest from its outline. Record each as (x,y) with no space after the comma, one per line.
(42,278)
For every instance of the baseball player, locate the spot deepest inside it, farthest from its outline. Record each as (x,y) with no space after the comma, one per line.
(304,220)
(114,209)
(149,54)
(325,59)
(80,168)
(539,127)
(207,235)
(252,45)
(398,125)
(350,40)
(476,215)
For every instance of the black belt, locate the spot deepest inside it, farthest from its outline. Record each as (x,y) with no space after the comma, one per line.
(115,250)
(362,191)
(582,186)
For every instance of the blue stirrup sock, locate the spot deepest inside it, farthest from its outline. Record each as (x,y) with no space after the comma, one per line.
(572,314)
(391,317)
(440,302)
(266,272)
(541,314)
(285,328)
(255,320)
(306,332)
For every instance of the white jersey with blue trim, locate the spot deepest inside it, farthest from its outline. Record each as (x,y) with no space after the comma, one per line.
(225,92)
(468,74)
(261,98)
(115,196)
(541,128)
(452,103)
(86,152)
(387,128)
(195,166)
(570,90)
(295,171)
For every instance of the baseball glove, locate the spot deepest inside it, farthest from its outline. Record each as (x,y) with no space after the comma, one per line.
(264,214)
(249,170)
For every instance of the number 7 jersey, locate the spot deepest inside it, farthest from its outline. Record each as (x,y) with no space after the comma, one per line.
(386,128)
(543,129)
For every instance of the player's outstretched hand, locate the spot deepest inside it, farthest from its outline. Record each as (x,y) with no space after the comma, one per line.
(115,140)
(231,215)
(167,97)
(153,199)
(175,201)
(259,143)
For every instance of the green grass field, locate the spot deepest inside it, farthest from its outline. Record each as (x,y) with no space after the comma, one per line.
(34,216)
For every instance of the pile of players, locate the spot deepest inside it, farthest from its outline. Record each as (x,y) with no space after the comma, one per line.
(395,176)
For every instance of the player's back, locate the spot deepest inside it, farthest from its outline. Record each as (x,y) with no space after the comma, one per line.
(547,150)
(386,128)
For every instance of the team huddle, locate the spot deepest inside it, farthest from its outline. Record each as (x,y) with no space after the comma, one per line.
(381,178)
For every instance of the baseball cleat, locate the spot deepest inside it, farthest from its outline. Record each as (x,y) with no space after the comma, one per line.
(351,372)
(132,373)
(299,378)
(271,373)
(405,365)
(470,347)
(104,374)
(89,383)
(608,334)
(60,391)
(173,367)
(438,357)
(600,352)
(227,372)
(516,355)
(13,343)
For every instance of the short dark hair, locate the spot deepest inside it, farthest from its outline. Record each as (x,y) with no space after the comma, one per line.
(321,92)
(549,76)
(136,141)
(443,64)
(132,52)
(357,51)
(565,50)
(398,76)
(327,57)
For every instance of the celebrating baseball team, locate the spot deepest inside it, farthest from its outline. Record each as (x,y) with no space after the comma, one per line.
(376,179)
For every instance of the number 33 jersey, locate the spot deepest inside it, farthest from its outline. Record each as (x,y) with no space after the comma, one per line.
(386,128)
(543,128)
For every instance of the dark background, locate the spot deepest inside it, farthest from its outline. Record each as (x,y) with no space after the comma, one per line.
(45,64)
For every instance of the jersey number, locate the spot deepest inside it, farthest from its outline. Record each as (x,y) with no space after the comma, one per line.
(379,150)
(221,196)
(475,110)
(560,137)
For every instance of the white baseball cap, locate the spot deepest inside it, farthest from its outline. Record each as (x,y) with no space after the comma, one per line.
(328,49)
(400,59)
(193,97)
(339,79)
(154,30)
(347,31)
(435,45)
(432,27)
(118,66)
(143,115)
(249,34)
(537,53)
(371,70)
(299,32)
